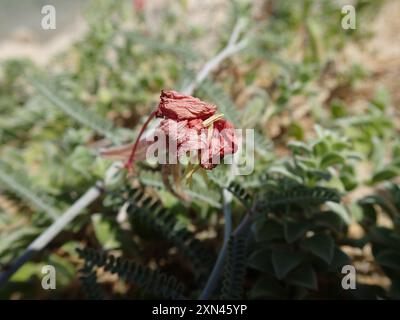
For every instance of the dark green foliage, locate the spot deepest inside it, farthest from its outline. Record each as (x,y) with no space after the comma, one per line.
(294,240)
(296,195)
(235,269)
(240,193)
(151,281)
(89,282)
(385,240)
(150,211)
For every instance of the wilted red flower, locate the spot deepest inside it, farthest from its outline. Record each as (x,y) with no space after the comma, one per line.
(177,106)
(222,142)
(193,126)
(212,145)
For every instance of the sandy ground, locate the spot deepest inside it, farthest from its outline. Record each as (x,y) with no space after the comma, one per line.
(23,42)
(381,54)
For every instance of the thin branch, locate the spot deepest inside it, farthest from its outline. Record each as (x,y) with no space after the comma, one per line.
(51,232)
(232,47)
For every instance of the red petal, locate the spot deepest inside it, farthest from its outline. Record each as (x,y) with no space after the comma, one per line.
(176,106)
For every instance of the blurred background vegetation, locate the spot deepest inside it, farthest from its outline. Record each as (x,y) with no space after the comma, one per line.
(323,101)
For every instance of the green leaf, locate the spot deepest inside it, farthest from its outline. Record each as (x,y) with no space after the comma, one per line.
(285,261)
(320,148)
(27,271)
(303,276)
(104,232)
(261,260)
(65,269)
(321,245)
(267,287)
(385,174)
(329,220)
(340,210)
(299,147)
(331,159)
(269,230)
(294,230)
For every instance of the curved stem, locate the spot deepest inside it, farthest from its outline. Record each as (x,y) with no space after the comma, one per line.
(216,272)
(129,163)
(243,225)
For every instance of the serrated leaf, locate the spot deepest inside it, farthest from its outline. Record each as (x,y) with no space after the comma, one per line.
(321,245)
(285,261)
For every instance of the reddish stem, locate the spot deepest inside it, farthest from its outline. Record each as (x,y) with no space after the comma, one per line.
(129,163)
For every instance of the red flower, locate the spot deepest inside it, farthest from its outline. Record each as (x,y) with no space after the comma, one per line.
(176,106)
(222,142)
(211,145)
(192,125)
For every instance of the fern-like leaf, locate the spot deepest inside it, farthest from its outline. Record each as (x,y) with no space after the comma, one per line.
(151,281)
(297,195)
(151,212)
(20,186)
(235,269)
(240,193)
(89,282)
(75,111)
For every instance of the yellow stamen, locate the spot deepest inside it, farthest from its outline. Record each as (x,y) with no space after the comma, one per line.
(212,119)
